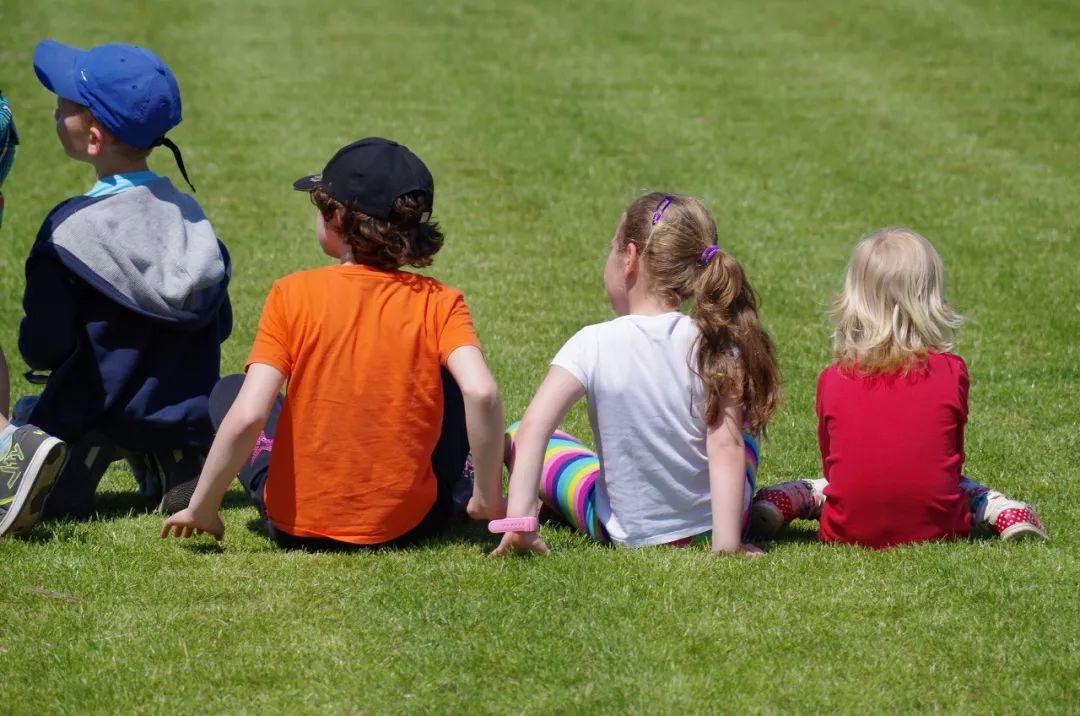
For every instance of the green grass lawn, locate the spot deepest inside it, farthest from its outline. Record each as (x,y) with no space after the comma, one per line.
(802,126)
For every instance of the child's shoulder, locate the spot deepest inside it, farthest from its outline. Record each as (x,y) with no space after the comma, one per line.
(949,360)
(640,334)
(158,201)
(832,372)
(64,211)
(331,278)
(949,367)
(298,280)
(670,323)
(936,363)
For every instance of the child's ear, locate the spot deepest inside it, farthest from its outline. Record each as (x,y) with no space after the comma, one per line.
(96,138)
(335,220)
(630,267)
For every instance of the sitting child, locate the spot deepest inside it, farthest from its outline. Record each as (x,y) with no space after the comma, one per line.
(891,414)
(29,459)
(675,401)
(126,295)
(387,387)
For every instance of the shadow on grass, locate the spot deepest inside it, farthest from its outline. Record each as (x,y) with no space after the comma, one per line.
(198,547)
(791,535)
(468,534)
(108,506)
(807,534)
(257,526)
(114,505)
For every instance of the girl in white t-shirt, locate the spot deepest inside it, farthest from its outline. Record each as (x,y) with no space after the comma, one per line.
(675,401)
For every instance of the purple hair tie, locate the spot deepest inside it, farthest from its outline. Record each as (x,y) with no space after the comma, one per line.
(661,208)
(707,254)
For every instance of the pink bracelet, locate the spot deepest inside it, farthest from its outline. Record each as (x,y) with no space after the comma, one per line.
(514,524)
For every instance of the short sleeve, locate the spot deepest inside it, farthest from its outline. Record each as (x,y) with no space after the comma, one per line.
(272,343)
(456,328)
(579,355)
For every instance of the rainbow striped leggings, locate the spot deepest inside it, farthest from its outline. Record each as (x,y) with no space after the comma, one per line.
(568,483)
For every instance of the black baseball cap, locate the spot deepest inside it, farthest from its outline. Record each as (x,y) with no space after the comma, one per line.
(370,174)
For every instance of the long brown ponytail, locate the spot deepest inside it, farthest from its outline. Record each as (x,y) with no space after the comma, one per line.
(734,356)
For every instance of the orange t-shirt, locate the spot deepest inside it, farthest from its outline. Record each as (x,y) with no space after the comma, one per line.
(361,350)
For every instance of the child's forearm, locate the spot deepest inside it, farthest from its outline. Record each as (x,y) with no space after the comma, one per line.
(484,424)
(559,391)
(727,478)
(530,444)
(232,446)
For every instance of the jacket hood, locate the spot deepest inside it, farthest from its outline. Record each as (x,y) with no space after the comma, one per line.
(150,248)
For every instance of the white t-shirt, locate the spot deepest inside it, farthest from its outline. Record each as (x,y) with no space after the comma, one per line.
(646,408)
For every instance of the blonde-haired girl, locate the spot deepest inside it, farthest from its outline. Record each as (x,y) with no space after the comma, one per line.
(891,413)
(675,400)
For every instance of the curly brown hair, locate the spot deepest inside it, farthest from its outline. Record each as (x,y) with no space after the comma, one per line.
(402,239)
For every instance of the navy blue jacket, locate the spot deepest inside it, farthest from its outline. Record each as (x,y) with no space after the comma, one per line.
(127,305)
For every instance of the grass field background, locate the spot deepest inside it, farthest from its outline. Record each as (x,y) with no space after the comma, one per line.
(802,126)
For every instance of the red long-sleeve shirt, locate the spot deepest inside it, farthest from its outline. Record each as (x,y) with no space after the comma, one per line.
(892,448)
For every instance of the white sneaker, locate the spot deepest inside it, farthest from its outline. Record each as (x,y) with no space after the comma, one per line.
(1011,519)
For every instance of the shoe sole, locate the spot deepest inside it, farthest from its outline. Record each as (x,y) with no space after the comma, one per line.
(1023,531)
(175,497)
(178,497)
(766,519)
(44,467)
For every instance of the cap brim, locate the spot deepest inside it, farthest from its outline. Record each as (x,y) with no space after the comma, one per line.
(54,64)
(307,183)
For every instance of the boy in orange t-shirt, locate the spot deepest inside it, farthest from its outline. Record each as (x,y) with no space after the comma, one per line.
(387,387)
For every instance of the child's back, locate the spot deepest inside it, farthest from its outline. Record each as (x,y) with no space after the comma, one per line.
(362,348)
(126,303)
(637,375)
(892,448)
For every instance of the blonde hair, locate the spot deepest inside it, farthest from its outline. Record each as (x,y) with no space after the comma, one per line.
(733,356)
(892,311)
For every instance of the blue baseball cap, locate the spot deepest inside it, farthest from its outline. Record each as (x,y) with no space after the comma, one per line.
(127,88)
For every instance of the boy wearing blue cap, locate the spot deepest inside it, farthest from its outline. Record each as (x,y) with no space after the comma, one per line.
(126,296)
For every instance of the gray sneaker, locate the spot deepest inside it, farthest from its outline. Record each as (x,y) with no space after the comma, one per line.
(28,469)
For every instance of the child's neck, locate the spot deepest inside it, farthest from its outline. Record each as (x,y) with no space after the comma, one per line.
(648,304)
(107,166)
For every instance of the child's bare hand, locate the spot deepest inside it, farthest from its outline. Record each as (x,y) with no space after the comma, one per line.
(520,542)
(188,522)
(746,550)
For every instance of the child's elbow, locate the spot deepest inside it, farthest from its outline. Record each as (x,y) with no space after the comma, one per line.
(482,394)
(726,444)
(244,418)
